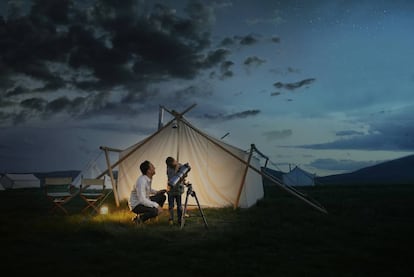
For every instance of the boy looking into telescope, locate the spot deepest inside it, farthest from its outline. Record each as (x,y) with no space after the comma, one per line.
(174,192)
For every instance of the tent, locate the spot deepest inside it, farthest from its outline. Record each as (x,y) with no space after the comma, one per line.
(91,171)
(217,174)
(1,186)
(298,177)
(221,174)
(18,181)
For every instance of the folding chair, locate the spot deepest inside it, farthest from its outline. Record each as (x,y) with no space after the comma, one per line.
(92,191)
(59,192)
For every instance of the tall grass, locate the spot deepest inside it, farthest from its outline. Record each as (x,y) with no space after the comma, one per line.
(368,232)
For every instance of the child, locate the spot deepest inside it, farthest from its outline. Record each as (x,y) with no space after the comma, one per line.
(175,192)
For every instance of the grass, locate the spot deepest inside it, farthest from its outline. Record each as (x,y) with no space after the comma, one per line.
(368,232)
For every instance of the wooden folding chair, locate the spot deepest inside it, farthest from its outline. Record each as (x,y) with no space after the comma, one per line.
(59,192)
(92,191)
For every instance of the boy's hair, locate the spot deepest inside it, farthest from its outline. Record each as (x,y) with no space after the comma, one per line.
(169,161)
(145,165)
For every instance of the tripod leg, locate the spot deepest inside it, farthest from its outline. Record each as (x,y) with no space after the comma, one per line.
(201,211)
(184,211)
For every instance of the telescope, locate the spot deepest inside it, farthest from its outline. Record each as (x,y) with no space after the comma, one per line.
(180,175)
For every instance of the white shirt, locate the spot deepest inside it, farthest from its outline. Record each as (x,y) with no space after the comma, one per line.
(141,192)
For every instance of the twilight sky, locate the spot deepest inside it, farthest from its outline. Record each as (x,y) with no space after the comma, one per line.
(327,85)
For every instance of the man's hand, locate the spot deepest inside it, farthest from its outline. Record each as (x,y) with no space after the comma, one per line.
(160,210)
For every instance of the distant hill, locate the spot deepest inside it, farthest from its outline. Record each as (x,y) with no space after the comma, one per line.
(398,171)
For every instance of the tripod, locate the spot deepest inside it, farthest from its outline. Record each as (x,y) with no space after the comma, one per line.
(191,192)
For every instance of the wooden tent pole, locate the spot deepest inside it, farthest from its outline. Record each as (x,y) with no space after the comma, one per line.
(273,180)
(111,174)
(236,204)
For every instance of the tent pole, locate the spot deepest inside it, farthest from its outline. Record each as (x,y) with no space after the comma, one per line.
(160,117)
(178,141)
(236,204)
(288,189)
(114,187)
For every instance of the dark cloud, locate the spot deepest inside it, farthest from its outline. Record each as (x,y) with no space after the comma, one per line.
(343,165)
(272,135)
(225,70)
(17,91)
(6,103)
(296,85)
(215,57)
(69,47)
(227,42)
(348,133)
(37,104)
(253,61)
(58,105)
(247,40)
(275,39)
(276,93)
(242,114)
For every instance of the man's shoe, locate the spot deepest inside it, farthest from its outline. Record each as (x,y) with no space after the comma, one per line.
(170,222)
(137,220)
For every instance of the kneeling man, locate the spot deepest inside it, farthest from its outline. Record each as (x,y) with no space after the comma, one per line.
(145,201)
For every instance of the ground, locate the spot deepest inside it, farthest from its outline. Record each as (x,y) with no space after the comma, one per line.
(367,232)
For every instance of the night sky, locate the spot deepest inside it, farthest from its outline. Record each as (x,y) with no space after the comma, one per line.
(327,85)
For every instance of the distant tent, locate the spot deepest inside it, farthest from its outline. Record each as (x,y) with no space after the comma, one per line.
(91,171)
(298,177)
(1,186)
(19,181)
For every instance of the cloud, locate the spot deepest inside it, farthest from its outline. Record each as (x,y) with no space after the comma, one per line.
(275,39)
(68,49)
(237,115)
(343,165)
(348,133)
(296,85)
(272,135)
(227,42)
(247,40)
(34,103)
(389,132)
(225,70)
(253,61)
(276,93)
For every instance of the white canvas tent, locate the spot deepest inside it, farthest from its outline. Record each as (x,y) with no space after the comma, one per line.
(19,181)
(216,176)
(222,174)
(91,171)
(298,177)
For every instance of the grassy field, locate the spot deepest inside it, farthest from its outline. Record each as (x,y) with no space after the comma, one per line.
(368,232)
